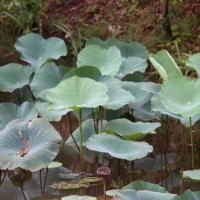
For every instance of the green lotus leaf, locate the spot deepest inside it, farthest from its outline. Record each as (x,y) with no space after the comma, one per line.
(29,145)
(145,112)
(76,197)
(14,76)
(36,50)
(129,194)
(136,90)
(107,43)
(188,195)
(194,62)
(117,147)
(192,175)
(181,100)
(84,72)
(129,130)
(88,130)
(42,104)
(150,87)
(45,78)
(107,60)
(158,107)
(165,65)
(142,185)
(54,164)
(10,111)
(77,93)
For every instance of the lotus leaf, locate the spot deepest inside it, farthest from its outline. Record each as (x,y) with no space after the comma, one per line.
(188,195)
(192,175)
(76,197)
(77,93)
(14,76)
(36,50)
(29,145)
(10,111)
(107,43)
(165,65)
(129,130)
(107,60)
(181,100)
(45,78)
(117,147)
(42,104)
(54,164)
(194,62)
(64,185)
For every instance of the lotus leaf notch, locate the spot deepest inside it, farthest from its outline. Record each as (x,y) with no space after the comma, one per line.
(29,145)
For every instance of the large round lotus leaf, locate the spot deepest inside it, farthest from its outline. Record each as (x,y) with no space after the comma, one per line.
(181,95)
(194,62)
(142,185)
(14,76)
(29,145)
(157,106)
(135,77)
(141,96)
(76,197)
(129,194)
(118,147)
(145,112)
(42,104)
(107,43)
(107,60)
(192,175)
(10,111)
(46,77)
(118,97)
(188,195)
(77,93)
(36,50)
(150,87)
(165,64)
(88,130)
(84,72)
(130,130)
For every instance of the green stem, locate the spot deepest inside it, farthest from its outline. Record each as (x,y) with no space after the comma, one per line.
(81,139)
(192,143)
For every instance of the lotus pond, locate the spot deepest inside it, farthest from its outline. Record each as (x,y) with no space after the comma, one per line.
(100,129)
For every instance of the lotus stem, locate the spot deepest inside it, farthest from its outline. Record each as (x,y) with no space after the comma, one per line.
(81,139)
(192,143)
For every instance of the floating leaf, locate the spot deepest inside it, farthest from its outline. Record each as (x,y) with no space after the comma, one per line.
(76,197)
(10,111)
(194,62)
(28,145)
(14,76)
(129,130)
(188,195)
(107,60)
(90,180)
(165,64)
(117,147)
(181,100)
(45,78)
(192,175)
(36,50)
(77,93)
(54,164)
(64,185)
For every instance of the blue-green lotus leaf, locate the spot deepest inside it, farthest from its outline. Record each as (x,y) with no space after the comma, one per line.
(129,194)
(194,62)
(42,104)
(192,175)
(77,93)
(10,111)
(84,72)
(189,195)
(45,78)
(142,185)
(165,65)
(107,60)
(76,197)
(136,90)
(117,147)
(107,43)
(130,130)
(36,50)
(180,95)
(29,145)
(14,76)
